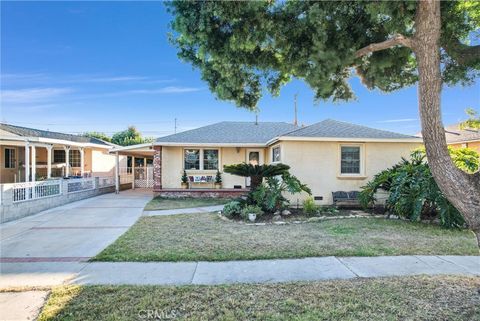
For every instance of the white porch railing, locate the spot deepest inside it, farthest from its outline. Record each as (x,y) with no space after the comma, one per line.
(35,190)
(80,184)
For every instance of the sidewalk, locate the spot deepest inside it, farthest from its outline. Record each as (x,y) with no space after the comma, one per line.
(210,273)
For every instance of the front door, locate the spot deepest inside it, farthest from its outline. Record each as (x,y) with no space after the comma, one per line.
(254,157)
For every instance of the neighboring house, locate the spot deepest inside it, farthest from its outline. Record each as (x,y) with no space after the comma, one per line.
(328,156)
(468,137)
(29,154)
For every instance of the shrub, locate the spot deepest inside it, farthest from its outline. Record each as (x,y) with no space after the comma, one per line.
(329,210)
(184,177)
(251,209)
(218,177)
(269,195)
(232,209)
(413,193)
(309,207)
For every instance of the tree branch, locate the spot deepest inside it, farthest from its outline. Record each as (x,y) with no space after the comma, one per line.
(395,41)
(462,53)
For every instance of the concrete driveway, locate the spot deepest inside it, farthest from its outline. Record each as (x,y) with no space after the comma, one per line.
(73,232)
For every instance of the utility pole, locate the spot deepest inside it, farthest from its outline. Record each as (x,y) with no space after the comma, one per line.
(256,118)
(175,126)
(295,120)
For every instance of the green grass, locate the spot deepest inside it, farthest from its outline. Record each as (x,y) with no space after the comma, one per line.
(160,203)
(207,237)
(405,298)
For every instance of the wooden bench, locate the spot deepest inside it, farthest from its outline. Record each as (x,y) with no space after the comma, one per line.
(346,199)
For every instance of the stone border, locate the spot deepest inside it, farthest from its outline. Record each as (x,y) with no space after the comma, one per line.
(309,220)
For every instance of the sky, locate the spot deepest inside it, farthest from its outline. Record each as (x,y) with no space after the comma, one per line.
(102,66)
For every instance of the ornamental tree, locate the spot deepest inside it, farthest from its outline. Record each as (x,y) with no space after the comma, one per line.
(243,48)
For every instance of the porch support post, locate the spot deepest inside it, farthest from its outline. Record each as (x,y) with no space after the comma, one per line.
(34,163)
(82,161)
(133,172)
(117,173)
(67,160)
(49,161)
(27,162)
(157,168)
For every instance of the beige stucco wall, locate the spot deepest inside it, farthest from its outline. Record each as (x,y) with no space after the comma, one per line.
(317,164)
(471,145)
(172,166)
(101,163)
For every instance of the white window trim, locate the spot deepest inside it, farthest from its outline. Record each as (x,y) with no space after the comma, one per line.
(201,160)
(271,154)
(362,162)
(14,160)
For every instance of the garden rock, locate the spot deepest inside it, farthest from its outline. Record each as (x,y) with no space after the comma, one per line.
(286,212)
(277,213)
(276,217)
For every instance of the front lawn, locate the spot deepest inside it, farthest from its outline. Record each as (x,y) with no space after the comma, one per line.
(405,298)
(209,238)
(160,203)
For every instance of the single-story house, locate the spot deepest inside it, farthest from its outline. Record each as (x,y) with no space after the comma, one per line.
(466,137)
(29,154)
(328,156)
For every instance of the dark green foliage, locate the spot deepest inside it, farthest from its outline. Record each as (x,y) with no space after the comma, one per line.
(269,195)
(184,177)
(244,47)
(413,193)
(98,135)
(256,172)
(130,136)
(218,177)
(232,209)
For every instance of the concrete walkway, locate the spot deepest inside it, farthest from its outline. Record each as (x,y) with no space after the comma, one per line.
(209,273)
(191,210)
(73,232)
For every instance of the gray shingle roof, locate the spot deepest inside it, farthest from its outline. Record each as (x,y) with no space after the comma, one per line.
(31,132)
(454,134)
(339,129)
(230,133)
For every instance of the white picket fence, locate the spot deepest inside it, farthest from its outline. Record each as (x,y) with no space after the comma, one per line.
(34,190)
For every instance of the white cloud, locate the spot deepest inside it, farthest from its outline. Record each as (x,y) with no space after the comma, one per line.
(30,95)
(401,120)
(164,90)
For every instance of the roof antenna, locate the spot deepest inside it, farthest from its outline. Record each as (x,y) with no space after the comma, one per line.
(256,118)
(295,120)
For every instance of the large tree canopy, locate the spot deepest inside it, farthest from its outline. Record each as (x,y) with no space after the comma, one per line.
(243,47)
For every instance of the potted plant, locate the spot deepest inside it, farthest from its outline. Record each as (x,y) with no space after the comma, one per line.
(218,180)
(184,180)
(251,212)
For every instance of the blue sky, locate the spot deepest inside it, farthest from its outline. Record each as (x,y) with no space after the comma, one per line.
(101,66)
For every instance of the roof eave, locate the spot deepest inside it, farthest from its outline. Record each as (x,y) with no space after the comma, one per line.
(186,144)
(53,141)
(347,139)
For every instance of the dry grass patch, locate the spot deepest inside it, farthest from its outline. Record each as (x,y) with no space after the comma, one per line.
(161,203)
(405,298)
(207,237)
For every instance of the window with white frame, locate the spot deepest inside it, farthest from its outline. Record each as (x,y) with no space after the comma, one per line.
(350,160)
(192,159)
(210,159)
(74,158)
(9,157)
(276,154)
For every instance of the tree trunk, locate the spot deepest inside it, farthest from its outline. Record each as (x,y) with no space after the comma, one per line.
(460,188)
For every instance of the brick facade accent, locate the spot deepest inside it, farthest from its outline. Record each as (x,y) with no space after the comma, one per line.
(157,168)
(210,193)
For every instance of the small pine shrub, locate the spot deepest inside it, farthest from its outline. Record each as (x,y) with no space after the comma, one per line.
(232,209)
(309,207)
(251,209)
